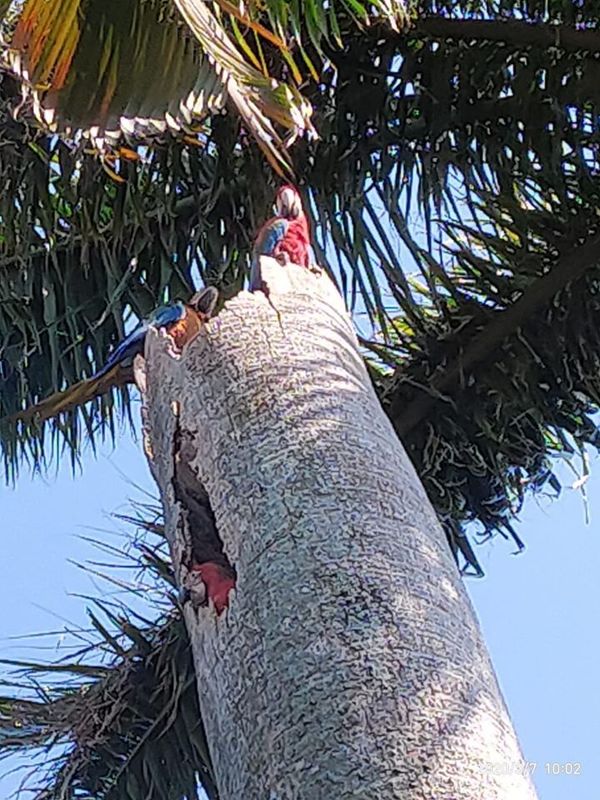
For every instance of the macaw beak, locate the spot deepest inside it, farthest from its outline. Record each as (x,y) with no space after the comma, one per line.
(288,203)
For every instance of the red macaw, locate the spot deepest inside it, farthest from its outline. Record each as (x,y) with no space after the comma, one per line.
(286,236)
(209,575)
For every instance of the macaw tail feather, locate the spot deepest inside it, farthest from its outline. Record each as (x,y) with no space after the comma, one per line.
(76,395)
(115,373)
(126,350)
(255,277)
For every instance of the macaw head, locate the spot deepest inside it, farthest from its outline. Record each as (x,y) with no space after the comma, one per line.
(288,202)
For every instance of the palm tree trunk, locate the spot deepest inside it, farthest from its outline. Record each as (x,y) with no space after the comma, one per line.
(350,663)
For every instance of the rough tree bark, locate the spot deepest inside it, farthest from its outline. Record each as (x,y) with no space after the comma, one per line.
(349,663)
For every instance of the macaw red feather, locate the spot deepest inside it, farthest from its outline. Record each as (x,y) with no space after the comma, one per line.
(286,234)
(296,242)
(218,581)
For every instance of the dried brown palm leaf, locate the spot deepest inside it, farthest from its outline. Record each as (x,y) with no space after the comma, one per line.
(93,66)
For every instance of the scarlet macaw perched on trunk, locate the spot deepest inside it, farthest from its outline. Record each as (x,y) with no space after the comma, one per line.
(285,236)
(182,321)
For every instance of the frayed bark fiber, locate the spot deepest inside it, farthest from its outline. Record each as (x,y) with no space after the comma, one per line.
(349,663)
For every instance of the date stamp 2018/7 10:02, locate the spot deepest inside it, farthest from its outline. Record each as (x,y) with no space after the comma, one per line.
(530,767)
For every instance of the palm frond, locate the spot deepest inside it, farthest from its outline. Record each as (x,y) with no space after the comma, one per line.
(93,66)
(119,718)
(504,377)
(90,65)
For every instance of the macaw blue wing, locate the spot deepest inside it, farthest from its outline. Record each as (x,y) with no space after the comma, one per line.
(167,315)
(133,344)
(269,236)
(125,350)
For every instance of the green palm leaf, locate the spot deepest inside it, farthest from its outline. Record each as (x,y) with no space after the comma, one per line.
(498,140)
(94,66)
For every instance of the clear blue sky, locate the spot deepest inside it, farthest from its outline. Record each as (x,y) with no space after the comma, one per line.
(539,610)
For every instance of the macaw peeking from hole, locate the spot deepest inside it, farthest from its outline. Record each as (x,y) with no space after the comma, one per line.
(285,237)
(181,321)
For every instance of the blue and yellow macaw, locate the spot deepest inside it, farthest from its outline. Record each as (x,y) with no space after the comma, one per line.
(132,345)
(181,321)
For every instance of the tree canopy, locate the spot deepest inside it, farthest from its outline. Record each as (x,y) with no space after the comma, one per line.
(453,187)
